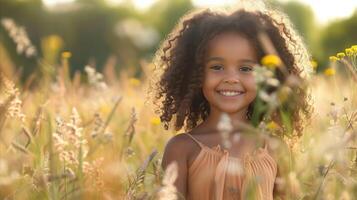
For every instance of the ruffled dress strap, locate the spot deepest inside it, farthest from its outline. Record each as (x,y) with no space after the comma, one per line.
(220,171)
(194,139)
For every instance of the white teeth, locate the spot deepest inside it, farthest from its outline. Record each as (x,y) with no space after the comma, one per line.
(230,93)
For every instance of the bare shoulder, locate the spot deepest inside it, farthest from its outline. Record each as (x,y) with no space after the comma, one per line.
(180,142)
(177,148)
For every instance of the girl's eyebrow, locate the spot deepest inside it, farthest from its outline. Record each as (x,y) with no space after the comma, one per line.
(214,59)
(221,59)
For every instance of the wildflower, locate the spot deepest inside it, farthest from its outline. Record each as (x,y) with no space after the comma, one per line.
(264,96)
(15,109)
(168,191)
(273,82)
(66,55)
(19,36)
(271,61)
(224,126)
(15,104)
(272,126)
(333,58)
(134,82)
(294,183)
(330,71)
(354,48)
(52,43)
(224,123)
(341,55)
(313,64)
(262,74)
(349,51)
(59,142)
(155,121)
(68,139)
(75,132)
(95,78)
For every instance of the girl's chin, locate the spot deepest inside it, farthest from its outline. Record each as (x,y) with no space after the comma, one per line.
(230,110)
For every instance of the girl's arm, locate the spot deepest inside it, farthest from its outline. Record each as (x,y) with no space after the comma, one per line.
(176,151)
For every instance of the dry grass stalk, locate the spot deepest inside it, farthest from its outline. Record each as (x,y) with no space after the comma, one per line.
(137,180)
(129,134)
(168,190)
(350,68)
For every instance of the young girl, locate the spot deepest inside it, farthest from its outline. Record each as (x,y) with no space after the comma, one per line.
(207,65)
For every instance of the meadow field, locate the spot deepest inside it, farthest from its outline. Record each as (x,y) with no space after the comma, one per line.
(94,134)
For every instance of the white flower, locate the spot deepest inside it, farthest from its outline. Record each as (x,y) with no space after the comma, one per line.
(95,78)
(273,82)
(19,36)
(225,123)
(168,191)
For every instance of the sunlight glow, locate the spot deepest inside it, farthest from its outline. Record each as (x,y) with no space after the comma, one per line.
(204,3)
(324,11)
(51,3)
(139,4)
(328,10)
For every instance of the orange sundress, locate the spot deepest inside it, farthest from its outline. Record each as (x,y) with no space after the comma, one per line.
(214,175)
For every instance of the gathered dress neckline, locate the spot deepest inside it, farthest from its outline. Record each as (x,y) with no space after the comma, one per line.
(216,158)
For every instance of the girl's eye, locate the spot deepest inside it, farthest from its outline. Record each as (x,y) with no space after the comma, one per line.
(216,67)
(246,68)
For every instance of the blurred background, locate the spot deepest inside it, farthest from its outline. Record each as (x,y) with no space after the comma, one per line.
(125,33)
(43,42)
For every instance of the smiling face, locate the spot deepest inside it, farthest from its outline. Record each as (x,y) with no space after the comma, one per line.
(229,84)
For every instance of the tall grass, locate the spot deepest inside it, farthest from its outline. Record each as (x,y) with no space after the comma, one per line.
(93,136)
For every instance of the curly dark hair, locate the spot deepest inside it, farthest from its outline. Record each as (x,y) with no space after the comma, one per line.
(178,91)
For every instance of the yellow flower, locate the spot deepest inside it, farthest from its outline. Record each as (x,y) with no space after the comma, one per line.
(349,51)
(333,58)
(330,71)
(354,48)
(313,64)
(53,42)
(272,126)
(104,109)
(271,61)
(66,54)
(134,81)
(341,55)
(155,121)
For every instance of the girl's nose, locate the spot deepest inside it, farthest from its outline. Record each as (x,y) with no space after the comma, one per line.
(231,77)
(231,80)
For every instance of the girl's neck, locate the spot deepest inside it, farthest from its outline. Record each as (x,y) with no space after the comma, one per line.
(210,123)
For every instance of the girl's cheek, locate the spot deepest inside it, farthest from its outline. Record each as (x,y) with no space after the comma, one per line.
(250,82)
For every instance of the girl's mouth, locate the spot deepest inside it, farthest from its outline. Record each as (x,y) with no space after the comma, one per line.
(228,93)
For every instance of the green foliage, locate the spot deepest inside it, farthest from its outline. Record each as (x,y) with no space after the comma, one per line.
(90,30)
(339,35)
